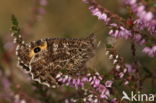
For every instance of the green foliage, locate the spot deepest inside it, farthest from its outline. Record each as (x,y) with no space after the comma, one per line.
(15,27)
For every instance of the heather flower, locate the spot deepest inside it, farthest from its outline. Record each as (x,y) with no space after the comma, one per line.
(41,11)
(140,24)
(126,82)
(120,33)
(142,14)
(150,51)
(117,30)
(130,68)
(101,15)
(121,70)
(93,80)
(17,99)
(91,99)
(139,39)
(114,100)
(108,83)
(130,2)
(43,2)
(121,74)
(145,18)
(85,1)
(117,68)
(151,26)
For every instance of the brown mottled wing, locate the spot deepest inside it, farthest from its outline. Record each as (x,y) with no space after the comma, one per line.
(23,66)
(41,70)
(62,55)
(71,54)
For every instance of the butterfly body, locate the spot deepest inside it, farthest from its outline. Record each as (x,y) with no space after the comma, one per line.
(45,58)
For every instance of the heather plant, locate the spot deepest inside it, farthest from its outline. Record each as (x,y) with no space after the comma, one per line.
(130,76)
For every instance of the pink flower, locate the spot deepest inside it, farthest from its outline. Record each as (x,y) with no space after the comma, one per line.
(93,80)
(41,11)
(130,2)
(101,15)
(150,51)
(145,18)
(120,33)
(148,16)
(130,68)
(139,39)
(121,75)
(108,83)
(43,2)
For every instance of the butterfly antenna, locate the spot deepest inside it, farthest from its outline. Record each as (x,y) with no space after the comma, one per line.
(15,31)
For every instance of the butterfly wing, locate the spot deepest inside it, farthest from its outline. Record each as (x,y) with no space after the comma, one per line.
(41,70)
(62,55)
(71,54)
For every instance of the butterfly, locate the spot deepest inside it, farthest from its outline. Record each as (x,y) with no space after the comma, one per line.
(44,59)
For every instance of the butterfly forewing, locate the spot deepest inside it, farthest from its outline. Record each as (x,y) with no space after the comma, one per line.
(56,55)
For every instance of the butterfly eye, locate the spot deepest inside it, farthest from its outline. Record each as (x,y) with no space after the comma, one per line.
(37,49)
